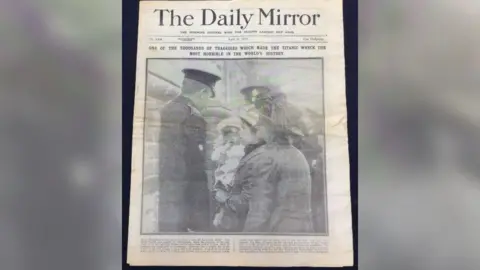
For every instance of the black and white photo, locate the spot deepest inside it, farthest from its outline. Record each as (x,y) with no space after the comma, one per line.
(231,146)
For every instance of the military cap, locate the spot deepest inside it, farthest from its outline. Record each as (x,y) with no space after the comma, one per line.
(202,76)
(258,93)
(259,89)
(263,84)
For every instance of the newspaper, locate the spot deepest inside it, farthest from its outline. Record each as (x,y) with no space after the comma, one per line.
(240,150)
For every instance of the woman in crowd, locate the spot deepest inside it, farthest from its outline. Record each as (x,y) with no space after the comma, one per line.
(272,186)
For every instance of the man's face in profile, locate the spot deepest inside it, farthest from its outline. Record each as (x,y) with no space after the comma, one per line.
(199,93)
(189,85)
(247,97)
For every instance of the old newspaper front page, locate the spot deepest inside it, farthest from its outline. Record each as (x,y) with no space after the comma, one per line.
(240,149)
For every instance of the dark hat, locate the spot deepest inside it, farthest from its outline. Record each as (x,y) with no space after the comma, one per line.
(249,89)
(204,77)
(262,91)
(263,86)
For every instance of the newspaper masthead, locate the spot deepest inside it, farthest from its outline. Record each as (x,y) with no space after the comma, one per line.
(236,17)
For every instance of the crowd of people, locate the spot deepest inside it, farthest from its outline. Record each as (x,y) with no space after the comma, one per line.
(268,176)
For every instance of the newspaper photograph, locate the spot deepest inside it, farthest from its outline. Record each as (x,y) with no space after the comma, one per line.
(240,146)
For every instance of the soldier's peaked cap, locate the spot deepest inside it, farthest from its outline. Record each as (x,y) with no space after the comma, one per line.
(204,76)
(262,89)
(261,84)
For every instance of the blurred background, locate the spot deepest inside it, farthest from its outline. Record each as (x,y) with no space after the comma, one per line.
(60,134)
(419,131)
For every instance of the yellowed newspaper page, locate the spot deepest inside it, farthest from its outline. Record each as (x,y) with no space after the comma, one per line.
(240,149)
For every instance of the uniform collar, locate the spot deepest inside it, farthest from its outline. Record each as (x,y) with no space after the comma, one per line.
(194,110)
(259,148)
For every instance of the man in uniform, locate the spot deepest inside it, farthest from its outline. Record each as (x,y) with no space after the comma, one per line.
(258,93)
(304,140)
(183,190)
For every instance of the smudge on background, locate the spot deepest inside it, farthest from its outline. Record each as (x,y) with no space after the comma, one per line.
(419,132)
(60,134)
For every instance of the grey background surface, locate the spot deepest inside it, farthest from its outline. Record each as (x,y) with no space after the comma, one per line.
(418,135)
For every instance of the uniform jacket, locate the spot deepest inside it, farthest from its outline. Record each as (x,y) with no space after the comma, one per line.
(313,152)
(183,190)
(272,190)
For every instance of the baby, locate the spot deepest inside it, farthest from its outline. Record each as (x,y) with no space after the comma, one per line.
(228,152)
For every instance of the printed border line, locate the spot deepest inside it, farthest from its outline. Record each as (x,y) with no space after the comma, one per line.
(237,36)
(236,42)
(326,216)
